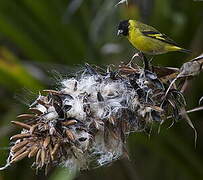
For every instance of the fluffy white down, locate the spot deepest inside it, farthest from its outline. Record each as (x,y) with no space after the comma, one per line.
(115,95)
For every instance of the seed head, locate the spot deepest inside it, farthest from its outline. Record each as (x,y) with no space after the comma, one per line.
(85,123)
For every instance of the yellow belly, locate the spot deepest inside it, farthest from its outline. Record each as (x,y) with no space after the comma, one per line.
(147,45)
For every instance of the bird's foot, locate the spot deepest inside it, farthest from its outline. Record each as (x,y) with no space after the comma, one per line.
(145,61)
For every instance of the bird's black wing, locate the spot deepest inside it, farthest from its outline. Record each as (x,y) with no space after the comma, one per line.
(159,36)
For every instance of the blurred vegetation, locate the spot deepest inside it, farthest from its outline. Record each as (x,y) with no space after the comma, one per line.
(39,37)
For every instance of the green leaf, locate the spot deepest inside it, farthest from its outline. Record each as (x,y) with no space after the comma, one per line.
(13,75)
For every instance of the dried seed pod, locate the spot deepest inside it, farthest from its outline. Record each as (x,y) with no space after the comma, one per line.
(19,145)
(22,125)
(51,91)
(20,157)
(69,122)
(25,116)
(20,136)
(43,156)
(33,151)
(36,111)
(54,151)
(46,141)
(32,128)
(43,103)
(19,152)
(38,156)
(70,135)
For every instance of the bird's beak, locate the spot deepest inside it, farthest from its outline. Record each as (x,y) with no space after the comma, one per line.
(119,32)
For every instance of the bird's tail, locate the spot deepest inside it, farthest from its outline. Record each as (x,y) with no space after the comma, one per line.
(185,50)
(176,48)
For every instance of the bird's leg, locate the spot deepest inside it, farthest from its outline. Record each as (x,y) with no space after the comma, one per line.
(145,60)
(151,60)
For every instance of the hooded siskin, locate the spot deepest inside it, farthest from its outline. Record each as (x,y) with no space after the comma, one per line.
(147,39)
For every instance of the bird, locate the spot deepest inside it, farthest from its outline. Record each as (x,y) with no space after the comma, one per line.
(147,39)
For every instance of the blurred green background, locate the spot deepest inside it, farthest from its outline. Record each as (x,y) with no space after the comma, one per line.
(42,41)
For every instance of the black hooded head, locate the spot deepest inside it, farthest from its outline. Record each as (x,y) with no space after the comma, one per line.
(123,27)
